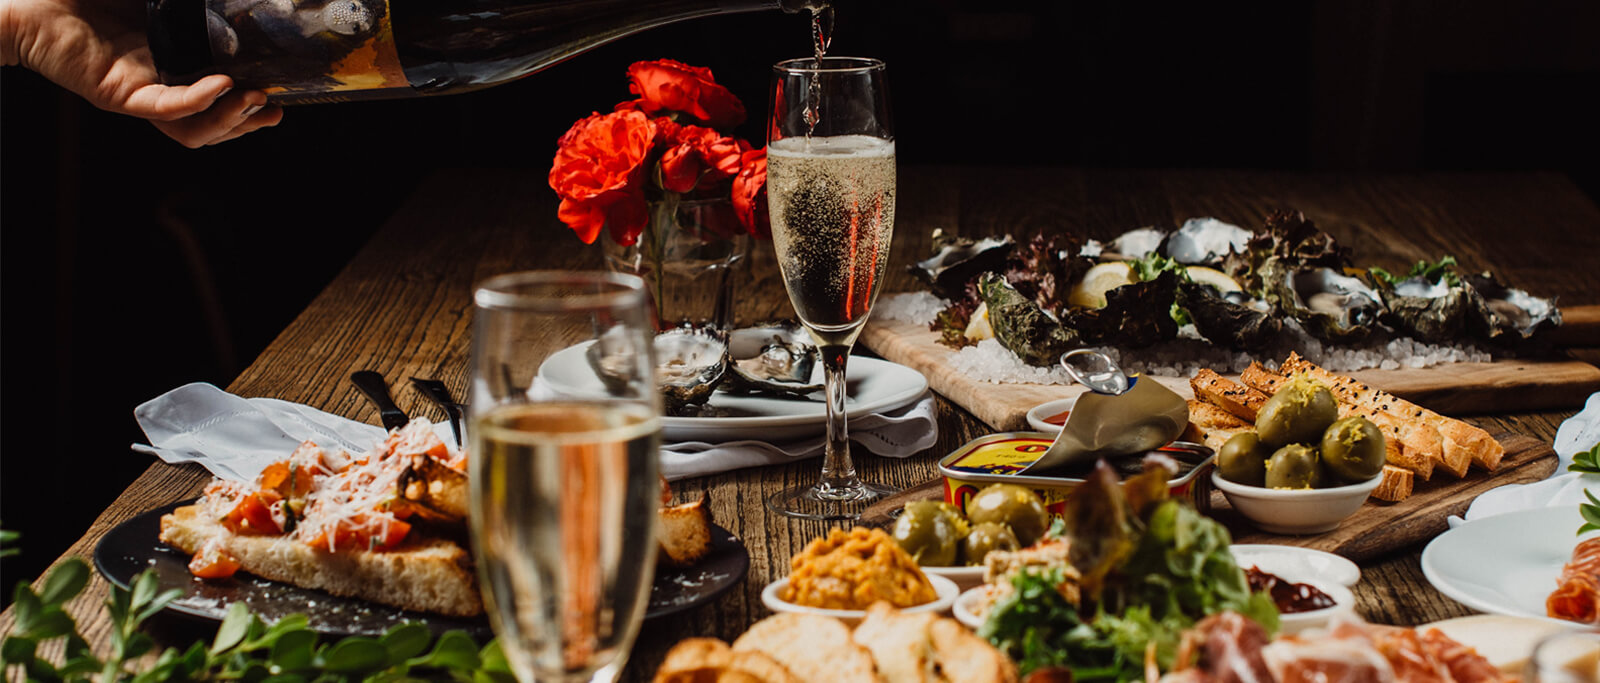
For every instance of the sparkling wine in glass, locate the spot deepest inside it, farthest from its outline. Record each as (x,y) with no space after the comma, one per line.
(564,489)
(830,189)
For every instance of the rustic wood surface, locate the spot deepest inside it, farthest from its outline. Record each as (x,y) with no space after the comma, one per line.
(1551,382)
(402,308)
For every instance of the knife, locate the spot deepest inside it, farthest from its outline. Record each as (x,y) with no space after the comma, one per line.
(372,384)
(437,392)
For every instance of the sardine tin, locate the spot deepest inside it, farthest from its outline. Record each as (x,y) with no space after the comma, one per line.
(997,458)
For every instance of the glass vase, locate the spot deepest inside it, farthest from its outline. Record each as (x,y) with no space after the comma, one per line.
(687,256)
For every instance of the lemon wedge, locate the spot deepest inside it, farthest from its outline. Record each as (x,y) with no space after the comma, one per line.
(1090,292)
(1211,276)
(978,328)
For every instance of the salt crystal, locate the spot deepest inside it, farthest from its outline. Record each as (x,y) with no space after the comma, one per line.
(916,308)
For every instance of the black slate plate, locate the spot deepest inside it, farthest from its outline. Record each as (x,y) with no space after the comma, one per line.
(133,547)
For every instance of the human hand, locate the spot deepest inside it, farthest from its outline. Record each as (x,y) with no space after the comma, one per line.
(98,49)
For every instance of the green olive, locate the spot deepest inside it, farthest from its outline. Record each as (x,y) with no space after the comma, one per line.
(1353,449)
(1298,413)
(931,532)
(1015,506)
(1294,467)
(1243,460)
(985,538)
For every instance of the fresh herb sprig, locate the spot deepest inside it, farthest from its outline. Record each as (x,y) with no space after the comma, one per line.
(1588,462)
(245,647)
(1431,271)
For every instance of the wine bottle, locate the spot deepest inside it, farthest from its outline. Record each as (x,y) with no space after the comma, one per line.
(305,51)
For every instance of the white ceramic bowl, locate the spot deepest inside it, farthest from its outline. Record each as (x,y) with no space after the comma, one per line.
(963,577)
(1293,561)
(1298,512)
(1344,602)
(963,607)
(943,587)
(1038,413)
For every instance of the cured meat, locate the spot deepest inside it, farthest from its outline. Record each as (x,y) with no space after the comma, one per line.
(1577,594)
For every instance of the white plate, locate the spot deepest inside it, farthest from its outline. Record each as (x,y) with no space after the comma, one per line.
(1297,564)
(873,385)
(1506,564)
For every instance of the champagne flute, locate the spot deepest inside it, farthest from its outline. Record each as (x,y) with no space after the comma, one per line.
(564,490)
(830,189)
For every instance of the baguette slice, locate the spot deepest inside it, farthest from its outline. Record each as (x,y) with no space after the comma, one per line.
(422,574)
(1211,425)
(1244,402)
(708,660)
(1396,485)
(796,640)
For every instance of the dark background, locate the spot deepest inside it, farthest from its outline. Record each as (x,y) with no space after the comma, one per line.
(130,265)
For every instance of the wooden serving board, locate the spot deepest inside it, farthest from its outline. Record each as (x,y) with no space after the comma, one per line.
(1454,389)
(1374,530)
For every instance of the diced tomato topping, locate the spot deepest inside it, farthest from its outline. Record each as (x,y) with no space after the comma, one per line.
(362,534)
(212,562)
(418,438)
(252,514)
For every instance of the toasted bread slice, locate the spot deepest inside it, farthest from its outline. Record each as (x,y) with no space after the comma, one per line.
(1211,425)
(685,533)
(795,640)
(1242,401)
(1396,485)
(422,574)
(708,660)
(1261,379)
(918,647)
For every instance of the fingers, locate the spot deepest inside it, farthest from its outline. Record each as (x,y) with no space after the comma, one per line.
(228,117)
(171,102)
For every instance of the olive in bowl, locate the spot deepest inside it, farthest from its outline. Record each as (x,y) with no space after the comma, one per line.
(1014,506)
(1295,511)
(931,532)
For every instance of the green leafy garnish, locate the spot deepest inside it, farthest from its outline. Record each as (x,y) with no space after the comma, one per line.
(1431,271)
(245,647)
(1590,512)
(8,541)
(1040,629)
(1587,462)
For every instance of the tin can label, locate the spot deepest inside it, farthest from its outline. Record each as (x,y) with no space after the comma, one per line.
(1001,456)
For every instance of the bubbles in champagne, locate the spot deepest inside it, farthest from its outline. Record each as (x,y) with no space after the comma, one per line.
(832,206)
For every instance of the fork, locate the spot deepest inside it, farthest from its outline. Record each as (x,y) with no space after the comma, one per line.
(437,392)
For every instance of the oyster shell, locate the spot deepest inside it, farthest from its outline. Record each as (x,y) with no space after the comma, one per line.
(1232,319)
(1205,242)
(690,362)
(1021,326)
(1135,244)
(1427,310)
(1328,304)
(771,359)
(1504,315)
(957,260)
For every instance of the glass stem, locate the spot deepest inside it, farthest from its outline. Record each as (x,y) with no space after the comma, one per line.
(838,471)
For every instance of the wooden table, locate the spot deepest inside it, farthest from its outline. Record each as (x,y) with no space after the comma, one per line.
(402,307)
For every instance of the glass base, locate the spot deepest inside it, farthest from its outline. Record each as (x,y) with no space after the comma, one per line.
(816,502)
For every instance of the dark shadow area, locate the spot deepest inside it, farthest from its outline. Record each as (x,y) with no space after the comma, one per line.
(130,265)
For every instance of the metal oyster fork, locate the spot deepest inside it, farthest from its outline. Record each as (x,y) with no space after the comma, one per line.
(437,392)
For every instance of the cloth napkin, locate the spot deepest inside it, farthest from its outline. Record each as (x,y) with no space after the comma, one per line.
(236,437)
(1579,433)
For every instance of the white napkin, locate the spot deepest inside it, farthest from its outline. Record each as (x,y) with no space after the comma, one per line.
(1579,433)
(236,437)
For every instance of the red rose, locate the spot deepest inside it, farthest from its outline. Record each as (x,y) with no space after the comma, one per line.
(667,85)
(697,156)
(598,173)
(750,193)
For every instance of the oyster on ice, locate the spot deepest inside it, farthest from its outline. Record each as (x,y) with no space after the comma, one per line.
(1433,311)
(771,359)
(1504,315)
(1232,319)
(1205,242)
(1328,304)
(1136,243)
(958,260)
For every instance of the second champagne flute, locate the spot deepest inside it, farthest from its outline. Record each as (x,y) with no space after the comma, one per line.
(564,489)
(830,189)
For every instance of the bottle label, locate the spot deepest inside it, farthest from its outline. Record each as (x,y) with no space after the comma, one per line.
(288,47)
